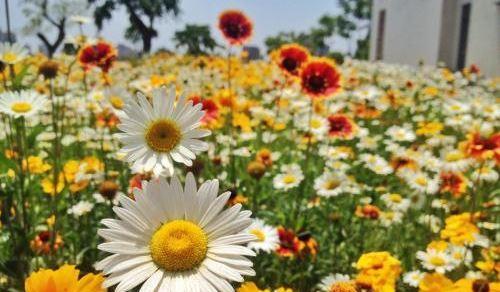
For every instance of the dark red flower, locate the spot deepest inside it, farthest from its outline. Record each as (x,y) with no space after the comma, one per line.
(341,126)
(101,54)
(209,106)
(289,243)
(291,58)
(455,183)
(235,26)
(320,78)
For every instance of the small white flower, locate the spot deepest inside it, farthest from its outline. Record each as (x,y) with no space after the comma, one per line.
(22,103)
(81,208)
(267,236)
(413,278)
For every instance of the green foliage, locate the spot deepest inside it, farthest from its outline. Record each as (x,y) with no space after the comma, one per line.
(196,39)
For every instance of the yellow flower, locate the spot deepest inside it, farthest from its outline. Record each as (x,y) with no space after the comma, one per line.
(70,169)
(459,229)
(438,245)
(250,287)
(243,121)
(51,220)
(35,164)
(11,173)
(64,279)
(429,128)
(378,270)
(48,185)
(434,283)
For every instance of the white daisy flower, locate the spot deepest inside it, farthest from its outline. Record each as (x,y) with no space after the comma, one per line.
(176,239)
(330,184)
(267,236)
(22,103)
(421,182)
(485,173)
(454,160)
(290,177)
(12,54)
(156,133)
(413,278)
(330,282)
(81,208)
(400,134)
(435,260)
(396,202)
(390,217)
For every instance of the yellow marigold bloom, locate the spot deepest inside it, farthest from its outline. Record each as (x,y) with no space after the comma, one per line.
(70,169)
(243,121)
(378,270)
(460,229)
(35,165)
(250,287)
(431,91)
(438,245)
(48,185)
(435,282)
(64,279)
(92,164)
(429,128)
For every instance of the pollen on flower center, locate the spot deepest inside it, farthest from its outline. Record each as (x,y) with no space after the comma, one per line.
(178,245)
(10,57)
(437,261)
(163,135)
(259,234)
(116,102)
(288,179)
(21,107)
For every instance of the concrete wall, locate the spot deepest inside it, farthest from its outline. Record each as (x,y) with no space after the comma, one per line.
(411,30)
(483,47)
(428,31)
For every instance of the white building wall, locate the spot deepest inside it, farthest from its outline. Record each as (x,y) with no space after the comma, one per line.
(483,47)
(411,30)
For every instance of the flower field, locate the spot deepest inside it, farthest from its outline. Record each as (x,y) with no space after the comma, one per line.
(220,173)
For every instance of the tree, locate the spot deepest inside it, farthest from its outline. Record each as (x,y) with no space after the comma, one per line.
(358,13)
(196,38)
(45,15)
(142,15)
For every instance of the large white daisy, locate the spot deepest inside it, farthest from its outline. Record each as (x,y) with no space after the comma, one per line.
(175,239)
(21,104)
(156,133)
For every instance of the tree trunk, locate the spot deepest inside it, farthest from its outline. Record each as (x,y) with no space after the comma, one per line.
(146,42)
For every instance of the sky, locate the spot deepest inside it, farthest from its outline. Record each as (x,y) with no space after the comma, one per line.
(269,17)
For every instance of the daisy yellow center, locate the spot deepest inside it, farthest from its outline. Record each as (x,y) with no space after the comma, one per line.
(116,102)
(10,57)
(178,245)
(21,107)
(422,181)
(395,198)
(259,234)
(288,179)
(437,261)
(331,184)
(163,135)
(453,156)
(315,124)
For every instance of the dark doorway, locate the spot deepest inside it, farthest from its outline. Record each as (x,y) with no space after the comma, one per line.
(379,49)
(464,32)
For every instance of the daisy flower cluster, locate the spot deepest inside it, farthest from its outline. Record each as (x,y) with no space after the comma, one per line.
(295,172)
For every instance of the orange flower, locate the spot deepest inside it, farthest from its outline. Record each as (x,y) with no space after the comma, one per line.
(341,126)
(235,26)
(289,243)
(435,282)
(291,58)
(319,77)
(368,211)
(101,54)
(482,148)
(210,108)
(42,242)
(455,183)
